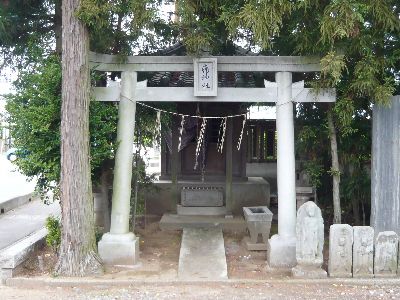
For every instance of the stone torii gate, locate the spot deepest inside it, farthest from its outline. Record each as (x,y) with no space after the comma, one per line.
(119,246)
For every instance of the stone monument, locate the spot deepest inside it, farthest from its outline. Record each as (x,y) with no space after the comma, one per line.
(340,250)
(363,251)
(385,169)
(309,242)
(386,249)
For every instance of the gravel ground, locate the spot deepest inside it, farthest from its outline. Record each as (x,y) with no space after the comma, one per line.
(199,291)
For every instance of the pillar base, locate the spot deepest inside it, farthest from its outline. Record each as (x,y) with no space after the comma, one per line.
(119,249)
(281,251)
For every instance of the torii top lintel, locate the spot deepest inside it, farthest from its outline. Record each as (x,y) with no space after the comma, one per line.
(300,64)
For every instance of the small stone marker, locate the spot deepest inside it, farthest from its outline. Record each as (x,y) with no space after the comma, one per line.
(309,242)
(363,251)
(340,250)
(386,249)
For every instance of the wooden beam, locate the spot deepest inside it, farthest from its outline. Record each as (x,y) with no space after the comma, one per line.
(185,94)
(105,62)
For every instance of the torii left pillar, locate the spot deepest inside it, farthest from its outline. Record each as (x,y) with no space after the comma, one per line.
(119,246)
(281,247)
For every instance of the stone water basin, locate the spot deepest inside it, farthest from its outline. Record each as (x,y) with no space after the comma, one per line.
(258,219)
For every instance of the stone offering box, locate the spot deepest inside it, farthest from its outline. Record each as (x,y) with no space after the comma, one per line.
(202,196)
(258,219)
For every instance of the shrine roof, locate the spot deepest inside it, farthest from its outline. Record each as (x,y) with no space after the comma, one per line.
(225,79)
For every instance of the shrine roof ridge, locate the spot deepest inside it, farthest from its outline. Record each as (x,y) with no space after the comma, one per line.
(107,62)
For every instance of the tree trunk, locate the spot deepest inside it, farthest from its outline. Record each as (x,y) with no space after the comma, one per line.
(337,216)
(78,244)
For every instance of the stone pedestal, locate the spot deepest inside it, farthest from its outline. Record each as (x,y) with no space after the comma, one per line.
(281,251)
(311,272)
(119,249)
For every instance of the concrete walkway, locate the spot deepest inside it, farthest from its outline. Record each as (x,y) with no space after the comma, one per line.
(202,255)
(24,220)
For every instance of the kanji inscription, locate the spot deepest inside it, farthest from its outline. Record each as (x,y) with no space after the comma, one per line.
(205,77)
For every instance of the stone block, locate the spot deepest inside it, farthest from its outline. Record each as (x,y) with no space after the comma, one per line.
(254,246)
(258,219)
(119,249)
(201,211)
(202,196)
(386,252)
(340,250)
(5,274)
(363,251)
(311,272)
(16,254)
(281,251)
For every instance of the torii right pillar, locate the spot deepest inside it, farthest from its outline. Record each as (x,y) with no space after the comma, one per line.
(281,248)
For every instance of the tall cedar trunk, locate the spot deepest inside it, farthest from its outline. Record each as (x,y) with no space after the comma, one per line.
(78,244)
(337,216)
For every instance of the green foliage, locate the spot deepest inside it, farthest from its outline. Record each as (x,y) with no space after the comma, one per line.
(53,238)
(34,118)
(344,111)
(314,170)
(118,27)
(262,19)
(26,29)
(332,67)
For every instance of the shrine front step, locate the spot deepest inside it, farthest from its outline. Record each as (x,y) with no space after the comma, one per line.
(202,255)
(179,222)
(201,210)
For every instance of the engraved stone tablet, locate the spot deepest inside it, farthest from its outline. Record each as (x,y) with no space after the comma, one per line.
(363,251)
(205,77)
(386,249)
(309,242)
(340,250)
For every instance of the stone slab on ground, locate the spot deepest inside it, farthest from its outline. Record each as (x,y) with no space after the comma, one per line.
(178,222)
(25,220)
(202,255)
(254,246)
(311,272)
(13,256)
